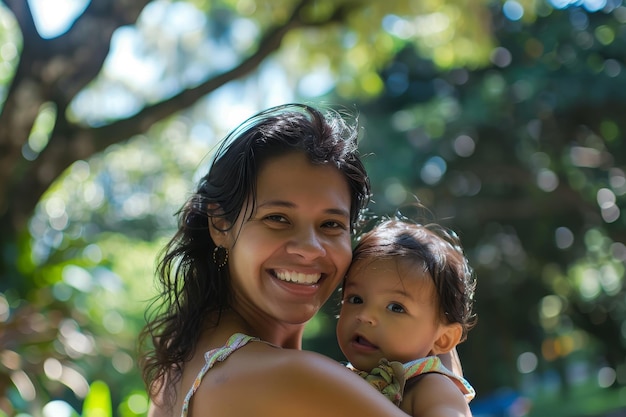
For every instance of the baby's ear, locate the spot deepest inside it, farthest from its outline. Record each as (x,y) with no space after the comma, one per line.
(449,337)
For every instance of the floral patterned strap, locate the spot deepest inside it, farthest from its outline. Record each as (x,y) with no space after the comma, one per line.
(433,364)
(215,355)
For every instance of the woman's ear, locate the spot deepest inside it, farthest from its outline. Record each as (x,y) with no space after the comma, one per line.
(449,337)
(218,226)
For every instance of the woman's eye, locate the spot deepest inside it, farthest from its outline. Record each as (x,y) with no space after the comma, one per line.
(354,299)
(334,225)
(396,308)
(276,218)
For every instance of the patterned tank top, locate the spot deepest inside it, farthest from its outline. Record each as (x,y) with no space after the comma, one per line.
(235,342)
(390,377)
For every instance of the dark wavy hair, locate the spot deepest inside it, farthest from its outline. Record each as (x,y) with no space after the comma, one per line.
(438,250)
(193,289)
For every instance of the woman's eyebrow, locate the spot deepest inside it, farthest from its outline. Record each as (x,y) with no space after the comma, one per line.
(338,211)
(291,205)
(276,203)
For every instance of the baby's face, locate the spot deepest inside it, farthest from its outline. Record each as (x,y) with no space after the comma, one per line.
(389,310)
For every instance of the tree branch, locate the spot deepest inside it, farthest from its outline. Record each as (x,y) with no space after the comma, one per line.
(24,17)
(70,142)
(53,70)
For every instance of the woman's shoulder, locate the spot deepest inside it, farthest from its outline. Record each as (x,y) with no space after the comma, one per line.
(261,380)
(259,364)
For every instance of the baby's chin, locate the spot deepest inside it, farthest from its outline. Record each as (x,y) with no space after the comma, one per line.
(366,366)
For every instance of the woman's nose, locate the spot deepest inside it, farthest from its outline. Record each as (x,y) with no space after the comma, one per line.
(307,243)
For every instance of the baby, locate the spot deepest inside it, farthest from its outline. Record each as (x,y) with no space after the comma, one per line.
(406,298)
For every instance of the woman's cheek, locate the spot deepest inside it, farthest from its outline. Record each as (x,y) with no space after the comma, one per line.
(346,257)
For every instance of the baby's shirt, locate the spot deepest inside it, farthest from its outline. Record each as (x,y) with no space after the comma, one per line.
(389,378)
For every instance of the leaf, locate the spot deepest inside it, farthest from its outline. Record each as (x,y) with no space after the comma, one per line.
(98,401)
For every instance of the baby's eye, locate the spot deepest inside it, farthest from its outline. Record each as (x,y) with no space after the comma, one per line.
(354,299)
(395,307)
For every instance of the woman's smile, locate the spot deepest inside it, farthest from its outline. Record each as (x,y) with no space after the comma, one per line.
(297,277)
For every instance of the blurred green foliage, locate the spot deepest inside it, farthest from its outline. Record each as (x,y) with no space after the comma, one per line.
(525,159)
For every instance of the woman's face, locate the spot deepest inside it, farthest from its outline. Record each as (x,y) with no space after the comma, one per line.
(289,256)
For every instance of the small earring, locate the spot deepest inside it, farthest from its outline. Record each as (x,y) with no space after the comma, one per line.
(220,256)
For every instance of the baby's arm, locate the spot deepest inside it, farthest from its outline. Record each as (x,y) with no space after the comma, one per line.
(434,395)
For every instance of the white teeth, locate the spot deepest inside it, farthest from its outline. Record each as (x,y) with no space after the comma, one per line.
(297,277)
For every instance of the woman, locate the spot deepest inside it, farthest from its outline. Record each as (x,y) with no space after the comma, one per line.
(260,247)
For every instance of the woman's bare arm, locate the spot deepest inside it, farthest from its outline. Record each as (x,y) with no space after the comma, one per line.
(292,383)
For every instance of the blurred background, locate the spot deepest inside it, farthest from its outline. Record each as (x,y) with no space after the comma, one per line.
(505,118)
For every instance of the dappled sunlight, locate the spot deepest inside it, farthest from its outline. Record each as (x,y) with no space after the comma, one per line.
(464,184)
(24,385)
(590,5)
(547,180)
(440,35)
(54,18)
(40,133)
(395,192)
(513,10)
(587,157)
(433,170)
(563,237)
(527,362)
(68,376)
(10,46)
(464,146)
(563,345)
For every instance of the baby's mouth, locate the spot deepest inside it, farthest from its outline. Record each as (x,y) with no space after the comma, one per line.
(297,277)
(362,341)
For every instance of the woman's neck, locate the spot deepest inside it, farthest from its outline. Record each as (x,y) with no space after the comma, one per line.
(287,336)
